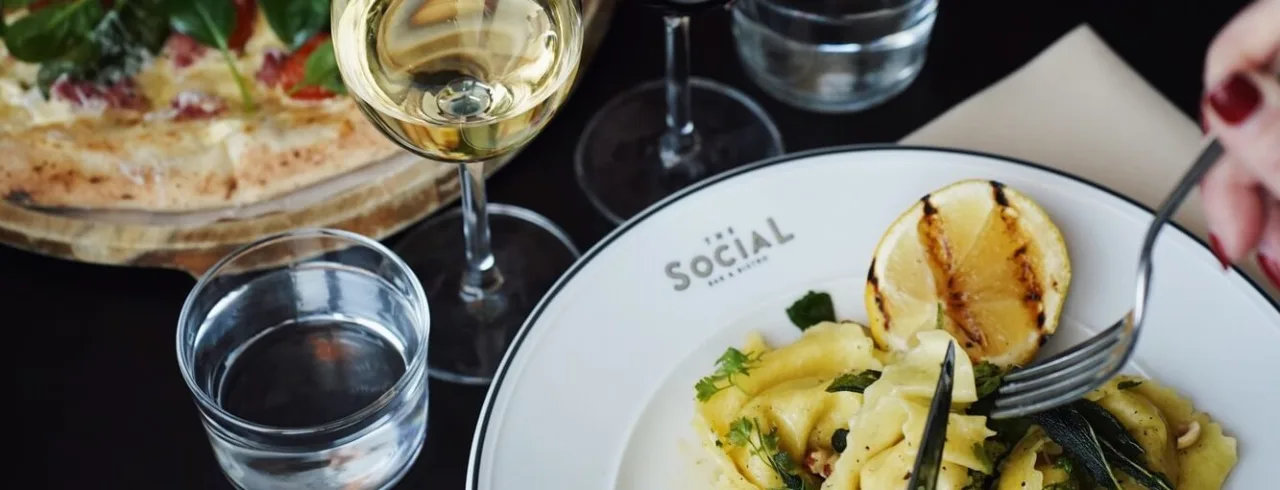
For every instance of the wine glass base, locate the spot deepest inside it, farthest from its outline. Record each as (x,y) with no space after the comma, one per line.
(469,338)
(618,162)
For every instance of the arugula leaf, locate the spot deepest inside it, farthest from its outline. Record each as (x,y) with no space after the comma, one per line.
(296,21)
(211,22)
(811,309)
(321,70)
(987,378)
(854,382)
(1128,384)
(732,363)
(49,32)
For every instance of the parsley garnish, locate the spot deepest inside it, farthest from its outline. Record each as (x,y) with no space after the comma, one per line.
(732,363)
(855,382)
(812,309)
(765,446)
(1128,384)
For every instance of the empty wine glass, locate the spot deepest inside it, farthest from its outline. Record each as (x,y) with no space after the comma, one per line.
(634,153)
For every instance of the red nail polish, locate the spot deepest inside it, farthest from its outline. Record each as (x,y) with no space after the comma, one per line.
(1270,268)
(1235,100)
(1216,246)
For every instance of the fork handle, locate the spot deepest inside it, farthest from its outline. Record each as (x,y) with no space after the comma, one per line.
(1208,156)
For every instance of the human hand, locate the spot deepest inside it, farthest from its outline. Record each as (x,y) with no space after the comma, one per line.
(1241,193)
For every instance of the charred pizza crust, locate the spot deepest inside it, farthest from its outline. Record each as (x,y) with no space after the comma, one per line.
(187,165)
(176,135)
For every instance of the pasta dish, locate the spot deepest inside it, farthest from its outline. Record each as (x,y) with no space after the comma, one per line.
(844,406)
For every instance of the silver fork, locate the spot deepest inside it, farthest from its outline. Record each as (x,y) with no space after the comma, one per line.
(1071,374)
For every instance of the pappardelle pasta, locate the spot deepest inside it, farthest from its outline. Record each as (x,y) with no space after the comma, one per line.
(844,407)
(832,412)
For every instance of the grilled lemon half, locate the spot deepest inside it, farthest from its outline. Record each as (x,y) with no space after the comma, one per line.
(978,259)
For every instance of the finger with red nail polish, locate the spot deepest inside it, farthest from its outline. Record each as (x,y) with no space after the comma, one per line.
(1243,112)
(1234,209)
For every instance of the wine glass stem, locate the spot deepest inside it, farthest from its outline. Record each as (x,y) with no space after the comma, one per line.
(680,141)
(482,275)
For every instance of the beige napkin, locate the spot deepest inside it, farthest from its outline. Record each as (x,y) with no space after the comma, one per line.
(1079,108)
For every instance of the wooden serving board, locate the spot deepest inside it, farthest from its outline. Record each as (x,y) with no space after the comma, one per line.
(375,202)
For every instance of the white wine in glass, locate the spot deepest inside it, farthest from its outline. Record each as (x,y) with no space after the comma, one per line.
(465,82)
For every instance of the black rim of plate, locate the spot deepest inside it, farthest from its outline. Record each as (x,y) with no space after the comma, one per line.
(482,427)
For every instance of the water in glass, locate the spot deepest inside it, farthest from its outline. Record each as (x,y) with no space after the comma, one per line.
(305,374)
(833,56)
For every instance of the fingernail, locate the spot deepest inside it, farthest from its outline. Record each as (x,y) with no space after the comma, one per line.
(1235,100)
(1216,246)
(1270,268)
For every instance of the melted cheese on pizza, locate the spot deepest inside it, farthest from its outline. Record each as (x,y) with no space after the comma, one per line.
(22,106)
(163,80)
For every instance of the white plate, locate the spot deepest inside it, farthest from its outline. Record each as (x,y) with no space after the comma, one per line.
(597,391)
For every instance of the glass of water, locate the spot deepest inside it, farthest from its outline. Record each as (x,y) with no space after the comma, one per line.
(833,56)
(306,353)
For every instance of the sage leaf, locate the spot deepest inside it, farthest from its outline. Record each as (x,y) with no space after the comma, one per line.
(811,309)
(1109,429)
(1069,429)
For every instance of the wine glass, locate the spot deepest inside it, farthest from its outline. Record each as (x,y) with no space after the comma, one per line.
(467,82)
(634,153)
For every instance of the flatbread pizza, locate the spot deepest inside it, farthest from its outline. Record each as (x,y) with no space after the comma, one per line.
(172,105)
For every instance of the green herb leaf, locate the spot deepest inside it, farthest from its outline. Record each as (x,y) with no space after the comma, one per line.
(987,378)
(211,22)
(1064,464)
(740,431)
(1128,384)
(1109,429)
(1069,429)
(322,71)
(977,480)
(51,31)
(990,452)
(812,309)
(11,5)
(840,440)
(116,49)
(854,382)
(765,447)
(732,363)
(1134,468)
(296,21)
(1063,485)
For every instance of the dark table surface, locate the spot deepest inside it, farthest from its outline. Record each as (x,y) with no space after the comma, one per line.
(100,403)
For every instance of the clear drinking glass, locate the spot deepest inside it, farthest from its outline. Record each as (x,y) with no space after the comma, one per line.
(467,82)
(306,353)
(661,136)
(833,56)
